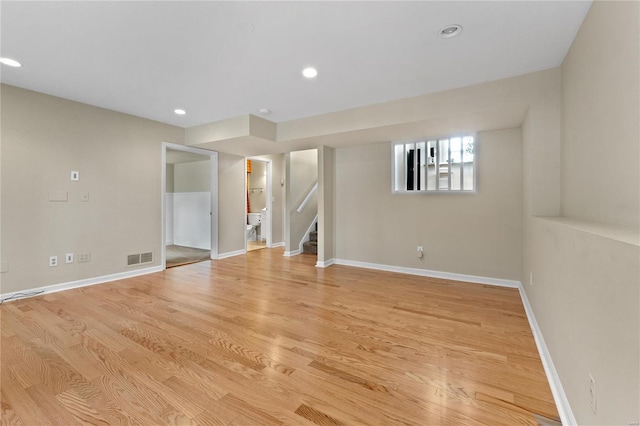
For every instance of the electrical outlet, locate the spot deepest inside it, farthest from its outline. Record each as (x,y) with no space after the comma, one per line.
(420,252)
(592,393)
(75,176)
(68,258)
(531,279)
(53,261)
(84,257)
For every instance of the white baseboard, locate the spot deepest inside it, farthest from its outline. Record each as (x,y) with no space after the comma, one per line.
(280,244)
(291,253)
(430,273)
(559,396)
(231,254)
(86,282)
(325,264)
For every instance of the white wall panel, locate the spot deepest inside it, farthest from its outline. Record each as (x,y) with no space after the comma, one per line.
(192,220)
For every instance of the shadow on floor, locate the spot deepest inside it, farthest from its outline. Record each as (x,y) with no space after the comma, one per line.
(179,255)
(256,245)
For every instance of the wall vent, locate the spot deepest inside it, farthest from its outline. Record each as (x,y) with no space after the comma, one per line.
(139,258)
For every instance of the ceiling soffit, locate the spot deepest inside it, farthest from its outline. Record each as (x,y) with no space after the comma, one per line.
(495,105)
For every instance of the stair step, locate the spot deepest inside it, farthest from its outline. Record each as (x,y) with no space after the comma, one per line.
(310,247)
(313,236)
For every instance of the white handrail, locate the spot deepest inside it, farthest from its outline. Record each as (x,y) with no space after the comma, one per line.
(307,198)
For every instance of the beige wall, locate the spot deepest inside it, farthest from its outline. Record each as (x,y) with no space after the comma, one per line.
(119,159)
(232,203)
(304,173)
(170,178)
(326,204)
(258,181)
(585,297)
(278,204)
(601,124)
(586,276)
(474,234)
(192,177)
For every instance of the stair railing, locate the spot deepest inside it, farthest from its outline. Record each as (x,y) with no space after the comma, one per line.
(307,198)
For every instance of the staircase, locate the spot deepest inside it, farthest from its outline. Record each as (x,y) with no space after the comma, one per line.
(311,246)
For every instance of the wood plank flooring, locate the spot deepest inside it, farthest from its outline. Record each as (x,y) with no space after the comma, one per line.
(266,340)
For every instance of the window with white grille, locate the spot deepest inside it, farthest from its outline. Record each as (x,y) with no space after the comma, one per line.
(446,164)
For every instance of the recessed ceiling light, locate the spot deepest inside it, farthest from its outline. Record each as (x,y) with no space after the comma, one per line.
(265,111)
(10,62)
(180,111)
(310,72)
(450,31)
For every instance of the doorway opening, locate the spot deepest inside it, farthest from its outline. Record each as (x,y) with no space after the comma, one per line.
(189,189)
(258,204)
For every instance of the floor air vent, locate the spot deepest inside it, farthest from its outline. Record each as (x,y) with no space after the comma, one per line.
(137,259)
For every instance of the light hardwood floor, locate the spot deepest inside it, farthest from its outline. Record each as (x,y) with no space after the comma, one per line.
(256,245)
(262,339)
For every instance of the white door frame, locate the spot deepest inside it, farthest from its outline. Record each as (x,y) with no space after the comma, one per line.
(269,227)
(213,164)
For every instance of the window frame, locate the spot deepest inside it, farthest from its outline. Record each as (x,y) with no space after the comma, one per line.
(437,139)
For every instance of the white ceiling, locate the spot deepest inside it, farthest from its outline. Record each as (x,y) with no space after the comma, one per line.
(225,59)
